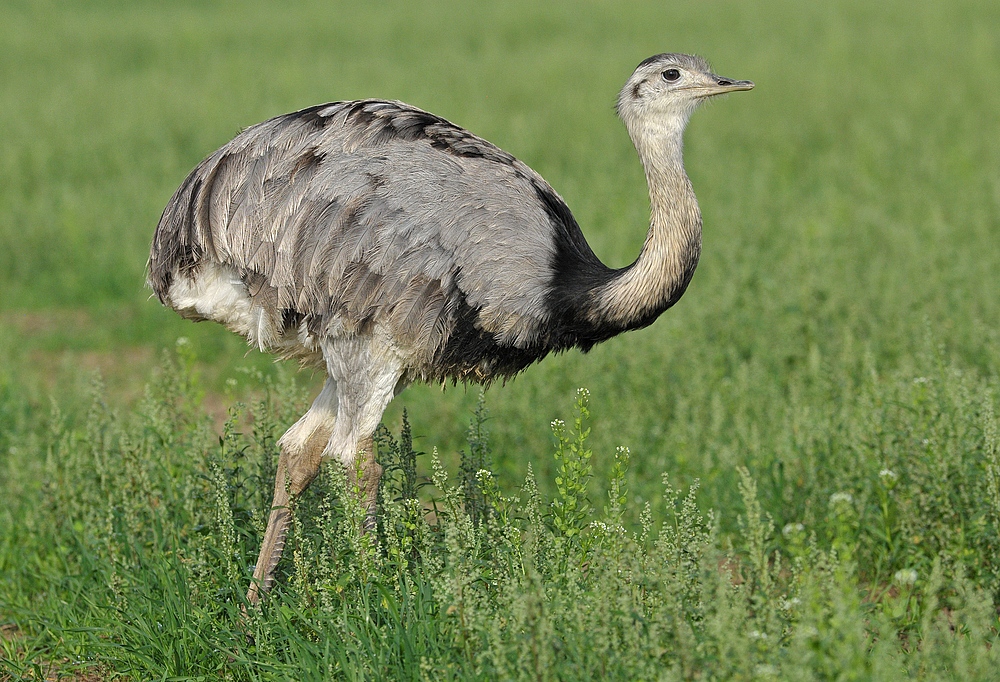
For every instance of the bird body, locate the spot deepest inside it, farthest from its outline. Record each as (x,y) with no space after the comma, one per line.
(347,217)
(388,245)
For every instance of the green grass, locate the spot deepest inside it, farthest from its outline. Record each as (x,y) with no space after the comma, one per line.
(843,321)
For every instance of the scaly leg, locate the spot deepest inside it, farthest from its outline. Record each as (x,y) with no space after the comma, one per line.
(365,475)
(339,424)
(302,448)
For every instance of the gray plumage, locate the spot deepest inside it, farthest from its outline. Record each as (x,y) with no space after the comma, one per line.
(362,213)
(390,245)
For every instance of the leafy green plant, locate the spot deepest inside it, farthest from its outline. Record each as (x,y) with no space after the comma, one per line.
(571,508)
(147,524)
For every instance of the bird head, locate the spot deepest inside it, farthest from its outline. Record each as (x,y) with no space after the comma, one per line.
(665,89)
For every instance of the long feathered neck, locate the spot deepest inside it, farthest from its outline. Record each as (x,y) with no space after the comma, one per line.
(637,294)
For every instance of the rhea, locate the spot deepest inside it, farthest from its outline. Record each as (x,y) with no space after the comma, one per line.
(387,245)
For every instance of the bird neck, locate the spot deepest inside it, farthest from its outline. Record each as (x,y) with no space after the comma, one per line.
(637,294)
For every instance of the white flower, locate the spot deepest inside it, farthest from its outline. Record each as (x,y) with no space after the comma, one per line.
(792,529)
(906,576)
(183,341)
(841,498)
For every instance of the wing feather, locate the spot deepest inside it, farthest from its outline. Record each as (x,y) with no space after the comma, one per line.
(375,211)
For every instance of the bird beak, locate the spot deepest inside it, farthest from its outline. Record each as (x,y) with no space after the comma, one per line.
(720,85)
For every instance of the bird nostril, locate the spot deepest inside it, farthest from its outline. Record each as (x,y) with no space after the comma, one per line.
(723,81)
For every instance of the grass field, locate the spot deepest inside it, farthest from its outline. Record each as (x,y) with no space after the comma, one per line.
(823,401)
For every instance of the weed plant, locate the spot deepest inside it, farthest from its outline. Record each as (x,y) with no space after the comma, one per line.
(131,545)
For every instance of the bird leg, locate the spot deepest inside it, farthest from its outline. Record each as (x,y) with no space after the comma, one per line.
(339,425)
(296,470)
(294,475)
(300,460)
(363,476)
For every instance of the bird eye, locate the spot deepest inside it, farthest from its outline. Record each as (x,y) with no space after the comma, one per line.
(670,75)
